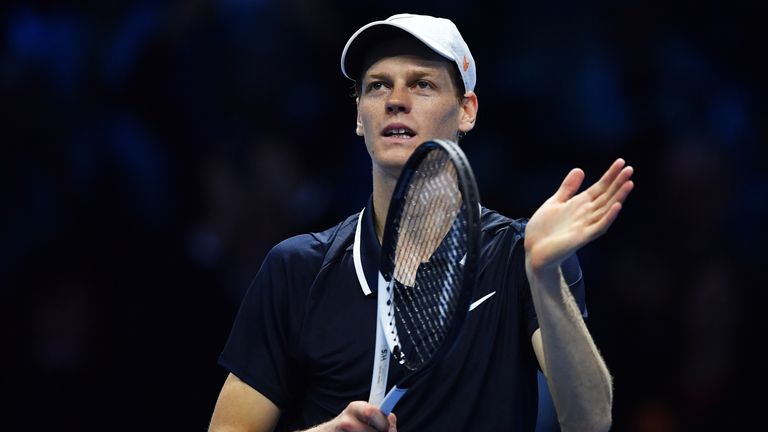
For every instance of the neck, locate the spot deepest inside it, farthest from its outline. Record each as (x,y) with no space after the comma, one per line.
(383,186)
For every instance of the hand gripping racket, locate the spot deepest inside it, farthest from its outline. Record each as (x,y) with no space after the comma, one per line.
(428,260)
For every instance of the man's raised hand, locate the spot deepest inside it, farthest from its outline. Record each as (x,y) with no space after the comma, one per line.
(567,221)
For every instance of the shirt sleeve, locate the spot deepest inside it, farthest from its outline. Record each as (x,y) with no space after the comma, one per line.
(260,348)
(575,279)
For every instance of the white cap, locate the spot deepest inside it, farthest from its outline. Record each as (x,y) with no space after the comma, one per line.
(439,34)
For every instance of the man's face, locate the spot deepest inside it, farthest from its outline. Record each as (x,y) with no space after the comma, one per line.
(405,100)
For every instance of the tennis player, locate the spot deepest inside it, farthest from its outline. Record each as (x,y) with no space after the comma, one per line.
(301,349)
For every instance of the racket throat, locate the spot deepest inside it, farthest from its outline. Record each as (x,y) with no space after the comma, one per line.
(391,399)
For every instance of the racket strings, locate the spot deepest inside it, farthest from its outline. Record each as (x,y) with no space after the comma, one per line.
(425,310)
(431,242)
(421,333)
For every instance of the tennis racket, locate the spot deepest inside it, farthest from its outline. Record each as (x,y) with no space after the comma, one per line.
(428,260)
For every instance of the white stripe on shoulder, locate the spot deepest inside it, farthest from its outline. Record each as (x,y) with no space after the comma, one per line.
(356,257)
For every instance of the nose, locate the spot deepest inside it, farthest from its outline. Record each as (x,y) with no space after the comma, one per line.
(399,100)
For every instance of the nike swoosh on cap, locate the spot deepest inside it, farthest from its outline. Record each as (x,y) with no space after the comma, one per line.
(480,300)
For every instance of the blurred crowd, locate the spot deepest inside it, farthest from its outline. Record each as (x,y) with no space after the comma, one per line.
(152,152)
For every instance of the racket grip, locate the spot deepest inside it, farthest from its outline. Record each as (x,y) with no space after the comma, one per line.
(391,399)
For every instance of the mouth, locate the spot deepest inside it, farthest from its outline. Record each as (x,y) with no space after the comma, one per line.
(398,131)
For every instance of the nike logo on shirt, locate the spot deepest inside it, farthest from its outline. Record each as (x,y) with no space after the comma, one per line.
(480,300)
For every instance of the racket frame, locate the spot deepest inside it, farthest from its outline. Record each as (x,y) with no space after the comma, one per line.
(471,202)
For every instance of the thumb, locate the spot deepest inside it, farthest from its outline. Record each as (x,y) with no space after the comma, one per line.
(570,185)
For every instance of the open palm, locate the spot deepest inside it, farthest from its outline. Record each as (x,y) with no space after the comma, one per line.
(567,221)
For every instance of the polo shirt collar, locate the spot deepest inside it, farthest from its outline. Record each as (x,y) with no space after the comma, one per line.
(366,250)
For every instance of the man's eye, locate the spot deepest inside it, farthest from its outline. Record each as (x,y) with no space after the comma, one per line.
(423,84)
(378,85)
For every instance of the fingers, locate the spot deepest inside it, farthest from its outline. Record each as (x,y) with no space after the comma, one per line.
(604,190)
(392,422)
(624,187)
(617,193)
(613,171)
(619,189)
(608,195)
(604,220)
(611,187)
(618,184)
(363,416)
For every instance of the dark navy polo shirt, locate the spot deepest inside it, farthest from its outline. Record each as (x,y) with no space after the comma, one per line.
(305,332)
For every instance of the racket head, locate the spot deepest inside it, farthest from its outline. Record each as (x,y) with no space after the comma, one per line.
(429,254)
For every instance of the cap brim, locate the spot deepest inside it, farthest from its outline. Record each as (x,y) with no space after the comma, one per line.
(367,38)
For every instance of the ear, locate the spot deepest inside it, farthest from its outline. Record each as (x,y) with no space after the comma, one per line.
(359,128)
(468,112)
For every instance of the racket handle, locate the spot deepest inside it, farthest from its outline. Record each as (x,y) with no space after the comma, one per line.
(391,399)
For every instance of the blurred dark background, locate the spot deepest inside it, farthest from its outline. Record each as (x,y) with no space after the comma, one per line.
(152,152)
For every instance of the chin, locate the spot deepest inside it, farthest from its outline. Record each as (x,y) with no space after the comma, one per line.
(391,167)
(396,157)
(390,156)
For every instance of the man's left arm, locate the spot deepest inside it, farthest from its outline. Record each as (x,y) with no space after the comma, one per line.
(578,379)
